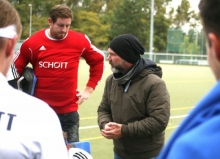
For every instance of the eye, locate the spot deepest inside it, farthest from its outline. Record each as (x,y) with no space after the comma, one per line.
(60,25)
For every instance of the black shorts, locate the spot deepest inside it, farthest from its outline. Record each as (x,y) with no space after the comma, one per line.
(70,125)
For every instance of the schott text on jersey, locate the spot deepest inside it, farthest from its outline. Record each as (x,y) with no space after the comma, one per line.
(46,64)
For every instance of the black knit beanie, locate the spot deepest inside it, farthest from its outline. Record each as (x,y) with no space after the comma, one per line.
(128,47)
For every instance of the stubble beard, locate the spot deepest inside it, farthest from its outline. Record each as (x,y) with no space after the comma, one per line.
(114,70)
(60,36)
(57,35)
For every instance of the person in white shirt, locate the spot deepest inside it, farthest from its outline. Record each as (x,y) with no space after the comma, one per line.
(12,76)
(29,128)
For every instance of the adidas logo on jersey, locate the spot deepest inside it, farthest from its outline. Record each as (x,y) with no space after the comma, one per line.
(42,48)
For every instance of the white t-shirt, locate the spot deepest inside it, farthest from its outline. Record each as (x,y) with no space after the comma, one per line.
(29,128)
(12,73)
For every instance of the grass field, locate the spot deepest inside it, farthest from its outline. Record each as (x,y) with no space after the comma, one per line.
(186,85)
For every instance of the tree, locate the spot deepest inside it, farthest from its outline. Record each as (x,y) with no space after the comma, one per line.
(133,17)
(161,25)
(183,14)
(197,37)
(92,5)
(89,24)
(189,48)
(129,17)
(102,20)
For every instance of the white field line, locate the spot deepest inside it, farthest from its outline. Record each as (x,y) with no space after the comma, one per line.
(180,116)
(96,126)
(89,127)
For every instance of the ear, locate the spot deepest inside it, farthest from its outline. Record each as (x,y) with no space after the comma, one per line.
(50,22)
(214,43)
(10,46)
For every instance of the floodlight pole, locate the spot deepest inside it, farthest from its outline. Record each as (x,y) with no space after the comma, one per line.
(30,5)
(151,30)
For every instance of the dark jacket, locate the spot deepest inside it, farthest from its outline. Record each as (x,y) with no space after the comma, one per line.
(144,111)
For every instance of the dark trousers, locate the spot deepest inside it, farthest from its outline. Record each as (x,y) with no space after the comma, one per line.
(70,125)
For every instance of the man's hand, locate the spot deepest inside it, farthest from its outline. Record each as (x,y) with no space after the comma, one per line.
(84,95)
(112,131)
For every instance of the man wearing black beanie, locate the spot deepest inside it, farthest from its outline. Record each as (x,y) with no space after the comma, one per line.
(128,47)
(135,106)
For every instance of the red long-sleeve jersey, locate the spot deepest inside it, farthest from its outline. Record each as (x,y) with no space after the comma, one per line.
(55,64)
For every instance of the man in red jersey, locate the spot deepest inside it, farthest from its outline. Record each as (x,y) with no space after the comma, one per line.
(55,54)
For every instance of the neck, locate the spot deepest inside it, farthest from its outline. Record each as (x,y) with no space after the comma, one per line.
(48,32)
(3,69)
(127,67)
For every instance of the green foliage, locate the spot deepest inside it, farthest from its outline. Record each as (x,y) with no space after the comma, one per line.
(134,17)
(102,20)
(92,5)
(192,42)
(161,25)
(190,48)
(197,38)
(184,14)
(89,24)
(129,17)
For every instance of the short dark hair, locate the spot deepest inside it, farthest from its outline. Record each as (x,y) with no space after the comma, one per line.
(60,11)
(210,16)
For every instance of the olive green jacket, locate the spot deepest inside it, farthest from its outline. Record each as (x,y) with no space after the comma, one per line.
(144,111)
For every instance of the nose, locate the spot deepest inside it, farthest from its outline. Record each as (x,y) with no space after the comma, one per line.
(108,57)
(64,29)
